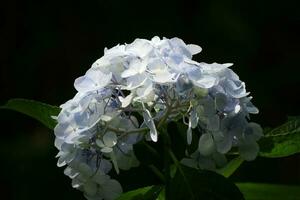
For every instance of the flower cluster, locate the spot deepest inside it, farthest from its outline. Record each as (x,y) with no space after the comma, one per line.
(156,81)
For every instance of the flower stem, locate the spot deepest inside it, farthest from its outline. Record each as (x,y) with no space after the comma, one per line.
(157,173)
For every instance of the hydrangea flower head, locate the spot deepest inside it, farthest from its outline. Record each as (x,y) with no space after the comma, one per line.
(157,80)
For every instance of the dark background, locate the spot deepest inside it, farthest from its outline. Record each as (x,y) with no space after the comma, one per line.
(44,46)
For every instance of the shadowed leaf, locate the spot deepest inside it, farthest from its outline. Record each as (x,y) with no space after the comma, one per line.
(37,110)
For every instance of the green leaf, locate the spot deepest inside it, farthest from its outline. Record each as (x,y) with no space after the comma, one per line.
(150,149)
(282,141)
(162,195)
(146,193)
(178,138)
(259,191)
(193,184)
(37,110)
(231,167)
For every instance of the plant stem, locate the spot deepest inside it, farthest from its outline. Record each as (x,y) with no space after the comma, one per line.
(118,130)
(157,173)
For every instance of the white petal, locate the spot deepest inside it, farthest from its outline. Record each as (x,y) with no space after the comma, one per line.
(252,109)
(94,79)
(146,92)
(214,68)
(194,49)
(129,72)
(110,139)
(61,130)
(70,172)
(135,81)
(140,47)
(150,124)
(105,118)
(61,162)
(126,101)
(237,109)
(84,84)
(155,40)
(164,77)
(76,183)
(58,143)
(227,64)
(205,82)
(100,143)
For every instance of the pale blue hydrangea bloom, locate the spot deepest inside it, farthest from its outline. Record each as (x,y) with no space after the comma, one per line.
(157,80)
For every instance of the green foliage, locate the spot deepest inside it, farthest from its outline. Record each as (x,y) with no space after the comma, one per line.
(146,193)
(231,167)
(259,191)
(162,195)
(193,184)
(282,141)
(37,110)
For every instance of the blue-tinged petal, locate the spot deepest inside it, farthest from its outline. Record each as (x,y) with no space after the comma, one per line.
(213,123)
(205,81)
(248,150)
(100,178)
(85,170)
(224,143)
(206,144)
(253,131)
(90,188)
(111,190)
(105,165)
(135,81)
(94,79)
(221,101)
